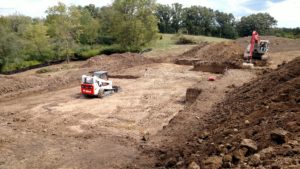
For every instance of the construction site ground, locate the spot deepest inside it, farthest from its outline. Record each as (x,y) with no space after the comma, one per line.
(45,122)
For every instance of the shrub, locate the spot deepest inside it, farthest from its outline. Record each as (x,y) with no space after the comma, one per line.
(89,53)
(184,41)
(20,65)
(106,40)
(117,49)
(85,52)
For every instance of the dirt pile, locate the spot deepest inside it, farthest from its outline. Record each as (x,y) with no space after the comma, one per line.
(14,85)
(257,125)
(11,83)
(229,54)
(116,61)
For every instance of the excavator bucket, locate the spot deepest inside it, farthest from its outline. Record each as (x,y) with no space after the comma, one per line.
(248,65)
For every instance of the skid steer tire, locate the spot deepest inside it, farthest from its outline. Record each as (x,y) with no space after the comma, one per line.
(117,89)
(101,94)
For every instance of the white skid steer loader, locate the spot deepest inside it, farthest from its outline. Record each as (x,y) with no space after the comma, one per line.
(97,85)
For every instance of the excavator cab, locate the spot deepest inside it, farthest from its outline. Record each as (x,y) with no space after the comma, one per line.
(263,46)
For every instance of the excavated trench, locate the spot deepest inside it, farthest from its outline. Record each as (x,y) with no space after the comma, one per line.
(186,61)
(212,67)
(192,94)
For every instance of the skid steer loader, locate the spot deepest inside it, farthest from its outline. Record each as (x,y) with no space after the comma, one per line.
(97,85)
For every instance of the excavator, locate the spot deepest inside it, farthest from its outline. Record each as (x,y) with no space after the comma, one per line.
(257,49)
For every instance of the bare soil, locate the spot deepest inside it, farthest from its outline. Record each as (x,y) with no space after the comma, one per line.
(229,54)
(217,141)
(62,76)
(167,115)
(63,129)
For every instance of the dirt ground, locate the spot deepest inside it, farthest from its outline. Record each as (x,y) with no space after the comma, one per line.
(58,129)
(221,139)
(152,123)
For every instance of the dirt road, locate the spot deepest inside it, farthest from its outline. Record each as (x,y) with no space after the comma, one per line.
(62,129)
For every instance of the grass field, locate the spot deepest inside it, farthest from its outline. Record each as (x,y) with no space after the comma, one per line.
(169,40)
(167,45)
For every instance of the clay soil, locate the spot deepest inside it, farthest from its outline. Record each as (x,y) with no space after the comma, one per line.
(228,54)
(167,115)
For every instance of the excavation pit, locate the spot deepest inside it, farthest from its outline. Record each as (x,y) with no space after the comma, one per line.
(186,61)
(212,67)
(192,94)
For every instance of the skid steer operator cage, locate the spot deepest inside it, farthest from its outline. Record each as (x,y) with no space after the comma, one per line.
(101,74)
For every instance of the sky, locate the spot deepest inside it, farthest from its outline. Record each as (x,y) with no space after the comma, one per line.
(286,12)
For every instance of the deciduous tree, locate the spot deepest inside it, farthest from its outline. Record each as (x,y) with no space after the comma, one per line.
(261,22)
(134,23)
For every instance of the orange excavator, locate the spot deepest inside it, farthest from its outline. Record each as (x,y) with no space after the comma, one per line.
(257,49)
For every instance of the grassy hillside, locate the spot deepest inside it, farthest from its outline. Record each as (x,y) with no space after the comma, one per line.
(169,40)
(167,45)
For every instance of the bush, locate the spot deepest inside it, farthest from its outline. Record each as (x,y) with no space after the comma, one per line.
(185,41)
(117,49)
(112,49)
(90,53)
(21,65)
(85,52)
(106,40)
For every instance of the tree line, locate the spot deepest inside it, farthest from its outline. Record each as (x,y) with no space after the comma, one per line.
(76,31)
(198,20)
(125,25)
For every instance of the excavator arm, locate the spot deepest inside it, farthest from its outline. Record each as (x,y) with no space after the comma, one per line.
(254,40)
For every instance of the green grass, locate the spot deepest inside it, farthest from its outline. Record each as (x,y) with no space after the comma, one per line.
(169,40)
(167,45)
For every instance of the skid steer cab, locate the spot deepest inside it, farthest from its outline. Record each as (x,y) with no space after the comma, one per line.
(97,85)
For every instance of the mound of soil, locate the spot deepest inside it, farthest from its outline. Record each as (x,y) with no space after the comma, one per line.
(257,125)
(277,44)
(116,61)
(14,85)
(229,54)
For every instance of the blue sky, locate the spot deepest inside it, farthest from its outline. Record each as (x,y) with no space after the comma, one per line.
(285,11)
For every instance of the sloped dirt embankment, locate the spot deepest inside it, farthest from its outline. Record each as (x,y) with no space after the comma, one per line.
(213,58)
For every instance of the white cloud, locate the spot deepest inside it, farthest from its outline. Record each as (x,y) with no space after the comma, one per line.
(286,12)
(37,8)
(187,3)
